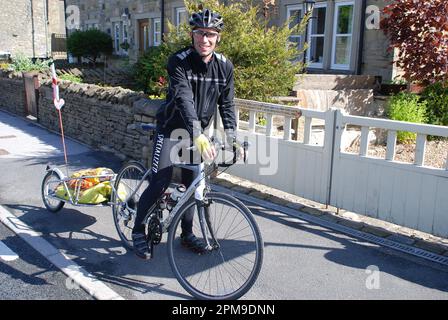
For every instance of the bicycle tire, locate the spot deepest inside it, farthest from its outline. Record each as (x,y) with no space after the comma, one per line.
(185,277)
(45,192)
(120,211)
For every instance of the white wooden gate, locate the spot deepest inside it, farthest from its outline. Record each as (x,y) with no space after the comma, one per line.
(410,195)
(301,168)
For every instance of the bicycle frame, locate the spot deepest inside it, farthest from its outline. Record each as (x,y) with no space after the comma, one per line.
(197,187)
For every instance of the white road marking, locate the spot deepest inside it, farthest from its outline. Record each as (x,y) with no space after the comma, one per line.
(7,254)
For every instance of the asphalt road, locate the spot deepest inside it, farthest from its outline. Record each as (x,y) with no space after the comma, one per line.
(301,260)
(29,276)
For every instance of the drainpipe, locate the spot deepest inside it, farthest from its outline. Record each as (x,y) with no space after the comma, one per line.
(46,27)
(361,37)
(65,18)
(32,28)
(162,20)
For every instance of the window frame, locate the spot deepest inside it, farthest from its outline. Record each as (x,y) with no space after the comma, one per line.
(155,32)
(289,9)
(335,35)
(117,48)
(179,11)
(124,29)
(316,65)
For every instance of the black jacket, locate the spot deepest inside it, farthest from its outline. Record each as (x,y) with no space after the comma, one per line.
(195,88)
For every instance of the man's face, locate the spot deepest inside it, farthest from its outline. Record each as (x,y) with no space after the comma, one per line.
(205,41)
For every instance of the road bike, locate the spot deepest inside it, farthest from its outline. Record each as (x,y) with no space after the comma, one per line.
(234,247)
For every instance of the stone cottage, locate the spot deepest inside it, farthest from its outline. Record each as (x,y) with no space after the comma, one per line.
(35,28)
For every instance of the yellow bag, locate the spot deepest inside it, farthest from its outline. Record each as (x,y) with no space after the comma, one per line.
(62,193)
(97,194)
(94,195)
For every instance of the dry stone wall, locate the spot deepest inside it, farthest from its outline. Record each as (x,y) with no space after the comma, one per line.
(102,117)
(12,93)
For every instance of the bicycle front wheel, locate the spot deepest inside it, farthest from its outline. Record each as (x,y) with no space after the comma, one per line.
(125,199)
(228,269)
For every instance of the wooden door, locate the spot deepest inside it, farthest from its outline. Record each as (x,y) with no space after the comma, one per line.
(31,84)
(143,35)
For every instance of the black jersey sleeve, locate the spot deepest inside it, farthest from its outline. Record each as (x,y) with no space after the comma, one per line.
(182,93)
(225,101)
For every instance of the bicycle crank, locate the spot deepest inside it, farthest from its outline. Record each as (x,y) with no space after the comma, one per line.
(155,230)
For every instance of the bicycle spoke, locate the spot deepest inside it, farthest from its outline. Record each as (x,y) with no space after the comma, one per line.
(236,232)
(128,179)
(223,219)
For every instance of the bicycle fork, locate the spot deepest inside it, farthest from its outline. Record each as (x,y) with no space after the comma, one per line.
(204,221)
(202,205)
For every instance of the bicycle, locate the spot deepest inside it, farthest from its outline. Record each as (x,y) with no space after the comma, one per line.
(234,246)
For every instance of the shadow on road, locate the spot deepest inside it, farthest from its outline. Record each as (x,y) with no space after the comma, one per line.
(407,269)
(69,231)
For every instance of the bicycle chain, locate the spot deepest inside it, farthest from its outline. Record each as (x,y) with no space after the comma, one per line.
(155,230)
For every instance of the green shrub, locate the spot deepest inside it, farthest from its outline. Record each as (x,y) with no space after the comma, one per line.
(150,71)
(70,77)
(436,96)
(89,44)
(25,64)
(406,107)
(261,55)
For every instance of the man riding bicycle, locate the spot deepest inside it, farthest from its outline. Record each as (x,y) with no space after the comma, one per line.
(199,80)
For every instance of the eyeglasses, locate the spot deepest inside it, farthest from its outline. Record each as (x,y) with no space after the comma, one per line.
(201,34)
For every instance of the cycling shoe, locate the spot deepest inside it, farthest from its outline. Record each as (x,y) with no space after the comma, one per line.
(141,247)
(191,242)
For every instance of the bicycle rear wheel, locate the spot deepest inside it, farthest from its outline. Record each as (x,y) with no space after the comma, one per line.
(125,201)
(229,269)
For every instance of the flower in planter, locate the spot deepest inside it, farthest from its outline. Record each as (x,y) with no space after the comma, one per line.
(161,82)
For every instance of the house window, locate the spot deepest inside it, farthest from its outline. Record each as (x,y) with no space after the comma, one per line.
(294,15)
(316,39)
(157,32)
(343,34)
(181,16)
(117,37)
(125,35)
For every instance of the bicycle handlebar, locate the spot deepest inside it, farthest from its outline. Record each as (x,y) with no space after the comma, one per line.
(218,144)
(222,146)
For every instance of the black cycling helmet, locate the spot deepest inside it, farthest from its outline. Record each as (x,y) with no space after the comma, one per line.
(207,19)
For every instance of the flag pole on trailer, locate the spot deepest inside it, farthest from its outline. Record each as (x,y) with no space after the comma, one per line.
(58,103)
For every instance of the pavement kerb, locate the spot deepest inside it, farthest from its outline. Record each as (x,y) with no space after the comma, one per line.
(75,273)
(352,220)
